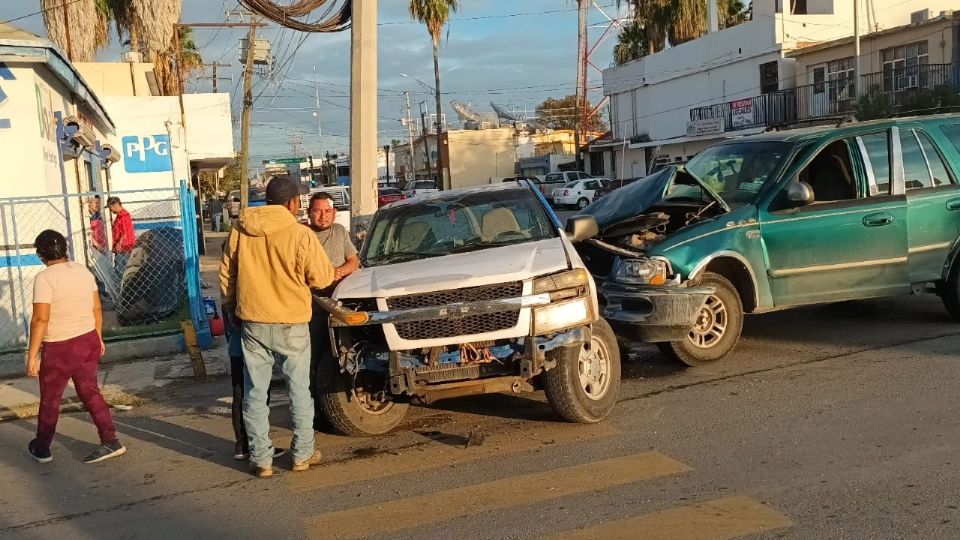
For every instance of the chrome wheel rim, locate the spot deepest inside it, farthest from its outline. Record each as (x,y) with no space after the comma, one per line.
(582,203)
(711,324)
(594,369)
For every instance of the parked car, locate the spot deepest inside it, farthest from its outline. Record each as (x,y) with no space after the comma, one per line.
(419,187)
(255,198)
(613,185)
(465,292)
(554,181)
(579,193)
(775,221)
(387,195)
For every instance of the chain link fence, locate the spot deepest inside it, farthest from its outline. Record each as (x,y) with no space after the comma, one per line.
(142,280)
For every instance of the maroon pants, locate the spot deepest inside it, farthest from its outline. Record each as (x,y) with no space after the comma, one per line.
(76,359)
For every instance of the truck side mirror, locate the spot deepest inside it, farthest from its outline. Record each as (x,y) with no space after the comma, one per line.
(799,194)
(580,228)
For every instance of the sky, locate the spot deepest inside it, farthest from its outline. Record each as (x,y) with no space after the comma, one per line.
(513,52)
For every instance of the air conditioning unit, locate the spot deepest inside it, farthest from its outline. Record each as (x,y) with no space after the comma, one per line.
(918,17)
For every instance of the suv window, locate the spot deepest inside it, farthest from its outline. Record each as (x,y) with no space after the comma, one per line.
(952,131)
(916,175)
(583,175)
(571,184)
(830,174)
(591,185)
(424,185)
(939,170)
(553,178)
(876,154)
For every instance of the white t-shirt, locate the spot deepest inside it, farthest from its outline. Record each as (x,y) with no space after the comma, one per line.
(68,288)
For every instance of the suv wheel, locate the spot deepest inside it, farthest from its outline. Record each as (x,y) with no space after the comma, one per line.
(717,329)
(349,403)
(583,203)
(584,385)
(949,290)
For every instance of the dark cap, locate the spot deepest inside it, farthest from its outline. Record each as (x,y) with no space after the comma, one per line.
(112,201)
(282,188)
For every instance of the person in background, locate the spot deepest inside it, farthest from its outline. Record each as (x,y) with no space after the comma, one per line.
(66,342)
(333,237)
(343,256)
(215,209)
(123,236)
(269,265)
(98,233)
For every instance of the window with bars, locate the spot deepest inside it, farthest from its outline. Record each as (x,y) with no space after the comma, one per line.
(840,75)
(903,66)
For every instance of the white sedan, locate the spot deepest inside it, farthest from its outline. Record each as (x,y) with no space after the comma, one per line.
(579,193)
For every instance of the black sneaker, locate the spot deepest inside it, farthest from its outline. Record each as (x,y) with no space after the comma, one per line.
(38,455)
(107,451)
(241,452)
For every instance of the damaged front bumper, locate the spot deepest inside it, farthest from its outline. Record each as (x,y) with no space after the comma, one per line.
(651,313)
(341,316)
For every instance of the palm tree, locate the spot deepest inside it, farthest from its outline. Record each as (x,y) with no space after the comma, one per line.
(149,26)
(732,13)
(435,14)
(88,22)
(631,44)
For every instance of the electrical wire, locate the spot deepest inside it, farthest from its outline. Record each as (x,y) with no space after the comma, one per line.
(335,17)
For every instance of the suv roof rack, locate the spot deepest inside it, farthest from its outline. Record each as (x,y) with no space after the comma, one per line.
(836,121)
(927,111)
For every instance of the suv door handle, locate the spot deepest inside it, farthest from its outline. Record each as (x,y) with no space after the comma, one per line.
(878,220)
(953,205)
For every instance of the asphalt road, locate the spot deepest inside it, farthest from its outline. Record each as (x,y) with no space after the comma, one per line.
(830,422)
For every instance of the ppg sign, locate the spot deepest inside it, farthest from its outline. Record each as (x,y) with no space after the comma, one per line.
(149,153)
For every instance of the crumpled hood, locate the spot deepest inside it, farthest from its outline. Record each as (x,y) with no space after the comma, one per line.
(264,220)
(495,265)
(633,199)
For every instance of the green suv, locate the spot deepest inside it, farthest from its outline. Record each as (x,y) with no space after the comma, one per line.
(773,221)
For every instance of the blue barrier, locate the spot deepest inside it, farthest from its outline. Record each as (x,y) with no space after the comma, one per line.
(191,253)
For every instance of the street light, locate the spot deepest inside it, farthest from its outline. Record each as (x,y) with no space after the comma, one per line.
(421,83)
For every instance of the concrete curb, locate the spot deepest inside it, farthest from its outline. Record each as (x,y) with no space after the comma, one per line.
(11,365)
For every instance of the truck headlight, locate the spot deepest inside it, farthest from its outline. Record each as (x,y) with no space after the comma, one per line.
(644,271)
(562,315)
(570,279)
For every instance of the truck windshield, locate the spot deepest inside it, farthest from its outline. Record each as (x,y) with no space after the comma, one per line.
(456,223)
(738,171)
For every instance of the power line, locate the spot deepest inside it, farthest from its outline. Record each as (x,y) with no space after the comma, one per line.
(65,4)
(502,16)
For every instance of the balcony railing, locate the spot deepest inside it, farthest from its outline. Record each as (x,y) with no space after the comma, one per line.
(835,97)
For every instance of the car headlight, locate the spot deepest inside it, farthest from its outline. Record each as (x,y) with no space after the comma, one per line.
(569,279)
(562,315)
(645,271)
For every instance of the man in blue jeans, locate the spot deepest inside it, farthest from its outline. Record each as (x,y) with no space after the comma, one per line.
(269,265)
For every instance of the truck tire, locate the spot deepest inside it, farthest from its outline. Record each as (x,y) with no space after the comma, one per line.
(582,203)
(342,406)
(718,326)
(949,291)
(584,385)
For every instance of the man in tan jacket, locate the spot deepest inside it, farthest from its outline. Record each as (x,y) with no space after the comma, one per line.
(269,265)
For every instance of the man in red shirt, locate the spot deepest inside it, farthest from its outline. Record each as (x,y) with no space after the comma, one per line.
(123,235)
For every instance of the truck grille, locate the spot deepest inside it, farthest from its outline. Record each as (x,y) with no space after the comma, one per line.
(472,324)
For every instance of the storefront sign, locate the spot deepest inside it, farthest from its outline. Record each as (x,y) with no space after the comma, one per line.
(705,126)
(148,153)
(741,113)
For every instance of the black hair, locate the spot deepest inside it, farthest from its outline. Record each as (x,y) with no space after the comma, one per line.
(320,196)
(51,245)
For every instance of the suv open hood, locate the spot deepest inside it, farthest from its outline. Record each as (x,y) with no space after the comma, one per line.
(494,265)
(632,200)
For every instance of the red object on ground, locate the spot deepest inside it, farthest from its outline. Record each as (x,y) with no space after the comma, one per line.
(216,326)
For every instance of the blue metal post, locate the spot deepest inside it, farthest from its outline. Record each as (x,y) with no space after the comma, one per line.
(192,267)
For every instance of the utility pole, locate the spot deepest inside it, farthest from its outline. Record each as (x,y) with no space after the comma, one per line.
(413,168)
(245,116)
(214,66)
(386,148)
(363,113)
(316,112)
(856,49)
(578,108)
(296,142)
(426,143)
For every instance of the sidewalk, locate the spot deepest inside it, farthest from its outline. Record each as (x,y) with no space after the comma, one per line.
(121,383)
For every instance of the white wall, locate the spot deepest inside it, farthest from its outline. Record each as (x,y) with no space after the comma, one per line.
(209,129)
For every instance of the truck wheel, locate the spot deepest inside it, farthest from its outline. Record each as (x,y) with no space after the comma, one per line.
(583,387)
(949,291)
(582,203)
(717,329)
(349,406)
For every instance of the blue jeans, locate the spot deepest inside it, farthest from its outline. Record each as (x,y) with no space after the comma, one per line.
(263,344)
(215,221)
(119,265)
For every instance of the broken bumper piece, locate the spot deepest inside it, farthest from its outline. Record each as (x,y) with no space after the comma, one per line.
(652,313)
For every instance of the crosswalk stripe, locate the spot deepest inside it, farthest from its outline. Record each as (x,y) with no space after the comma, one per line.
(498,494)
(729,517)
(439,454)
